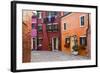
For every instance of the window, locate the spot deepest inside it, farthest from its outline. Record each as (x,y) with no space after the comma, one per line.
(49,13)
(83,41)
(55,27)
(40,41)
(67,42)
(52,27)
(33,25)
(39,27)
(51,16)
(45,20)
(52,13)
(49,27)
(53,19)
(39,15)
(64,26)
(82,21)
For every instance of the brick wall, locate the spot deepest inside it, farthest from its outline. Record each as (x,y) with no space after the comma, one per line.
(26,36)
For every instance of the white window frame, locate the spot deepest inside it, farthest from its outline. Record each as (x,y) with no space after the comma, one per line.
(57,44)
(40,15)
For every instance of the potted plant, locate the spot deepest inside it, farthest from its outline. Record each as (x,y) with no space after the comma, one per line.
(75,50)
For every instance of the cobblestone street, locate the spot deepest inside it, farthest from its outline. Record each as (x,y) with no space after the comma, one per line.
(44,56)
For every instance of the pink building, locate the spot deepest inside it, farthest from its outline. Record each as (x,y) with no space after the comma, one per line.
(34,32)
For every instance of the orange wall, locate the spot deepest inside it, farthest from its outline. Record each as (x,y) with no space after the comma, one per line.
(73,28)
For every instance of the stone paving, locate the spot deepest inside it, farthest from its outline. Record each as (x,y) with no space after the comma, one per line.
(44,56)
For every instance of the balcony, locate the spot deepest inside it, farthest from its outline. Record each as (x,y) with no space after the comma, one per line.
(52,28)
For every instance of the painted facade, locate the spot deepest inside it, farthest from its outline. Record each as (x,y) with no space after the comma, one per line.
(55,31)
(47,30)
(73,33)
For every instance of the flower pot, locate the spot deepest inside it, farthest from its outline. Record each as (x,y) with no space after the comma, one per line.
(75,52)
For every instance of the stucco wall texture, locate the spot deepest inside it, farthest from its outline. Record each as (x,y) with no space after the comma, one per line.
(73,28)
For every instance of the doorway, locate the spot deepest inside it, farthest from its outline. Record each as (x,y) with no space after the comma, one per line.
(74,43)
(55,44)
(34,43)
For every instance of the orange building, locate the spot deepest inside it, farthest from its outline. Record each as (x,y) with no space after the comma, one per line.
(73,33)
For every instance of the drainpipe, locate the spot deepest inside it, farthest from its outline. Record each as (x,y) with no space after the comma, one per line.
(88,32)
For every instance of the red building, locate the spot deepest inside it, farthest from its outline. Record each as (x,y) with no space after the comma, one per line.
(48,31)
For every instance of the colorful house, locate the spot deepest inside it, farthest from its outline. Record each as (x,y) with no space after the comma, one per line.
(68,32)
(48,31)
(73,33)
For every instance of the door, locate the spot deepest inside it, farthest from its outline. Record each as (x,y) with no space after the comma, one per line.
(55,44)
(34,44)
(72,43)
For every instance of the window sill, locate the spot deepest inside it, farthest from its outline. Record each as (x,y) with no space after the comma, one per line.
(82,26)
